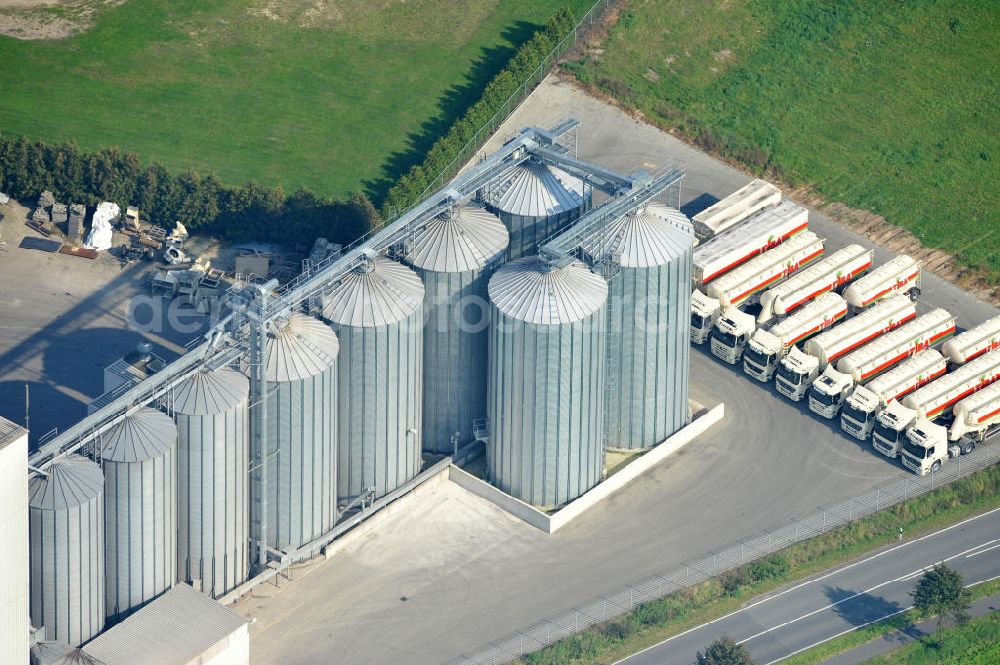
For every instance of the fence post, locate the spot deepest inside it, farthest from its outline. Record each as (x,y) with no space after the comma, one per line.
(850,511)
(878,497)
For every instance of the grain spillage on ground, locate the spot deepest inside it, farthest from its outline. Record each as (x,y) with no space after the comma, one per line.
(888,107)
(332,95)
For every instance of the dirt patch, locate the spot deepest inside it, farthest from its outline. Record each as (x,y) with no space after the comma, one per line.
(875,227)
(723,55)
(49,19)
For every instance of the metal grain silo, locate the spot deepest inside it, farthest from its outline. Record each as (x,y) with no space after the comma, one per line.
(546,380)
(213,438)
(649,300)
(140,510)
(66,513)
(302,431)
(454,254)
(534,200)
(376,311)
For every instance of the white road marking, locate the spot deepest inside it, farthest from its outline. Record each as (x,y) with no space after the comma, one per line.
(833,637)
(982,551)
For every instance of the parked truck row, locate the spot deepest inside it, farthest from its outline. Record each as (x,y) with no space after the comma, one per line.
(840,332)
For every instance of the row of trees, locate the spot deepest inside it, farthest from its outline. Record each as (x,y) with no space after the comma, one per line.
(525,62)
(203,203)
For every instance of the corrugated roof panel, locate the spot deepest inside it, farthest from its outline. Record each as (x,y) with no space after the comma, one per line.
(377,293)
(301,348)
(529,290)
(174,629)
(462,239)
(653,235)
(207,393)
(71,481)
(534,189)
(60,653)
(144,435)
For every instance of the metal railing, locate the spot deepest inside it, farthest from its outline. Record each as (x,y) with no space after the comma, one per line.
(592,16)
(612,605)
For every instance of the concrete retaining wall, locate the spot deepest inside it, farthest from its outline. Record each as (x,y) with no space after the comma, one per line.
(552,523)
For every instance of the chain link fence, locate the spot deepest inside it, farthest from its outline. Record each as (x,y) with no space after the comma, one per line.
(612,605)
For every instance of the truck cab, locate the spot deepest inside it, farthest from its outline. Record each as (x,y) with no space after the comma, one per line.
(704,313)
(762,355)
(732,332)
(890,427)
(857,418)
(925,447)
(796,372)
(829,392)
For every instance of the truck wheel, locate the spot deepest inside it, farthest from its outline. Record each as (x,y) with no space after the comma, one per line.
(936,466)
(968,447)
(914,294)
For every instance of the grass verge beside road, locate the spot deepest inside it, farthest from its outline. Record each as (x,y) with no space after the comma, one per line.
(976,643)
(657,620)
(887,107)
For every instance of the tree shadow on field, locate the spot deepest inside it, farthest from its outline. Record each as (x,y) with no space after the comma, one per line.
(451,106)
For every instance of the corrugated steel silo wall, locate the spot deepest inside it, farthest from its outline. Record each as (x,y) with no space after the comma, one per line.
(14,571)
(67,571)
(456,342)
(140,528)
(380,399)
(212,504)
(527,232)
(648,354)
(546,403)
(302,469)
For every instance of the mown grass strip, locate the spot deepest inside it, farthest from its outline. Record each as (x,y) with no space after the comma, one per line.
(976,643)
(657,620)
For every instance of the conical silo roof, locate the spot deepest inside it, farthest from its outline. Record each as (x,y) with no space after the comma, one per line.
(60,653)
(207,393)
(529,290)
(378,292)
(462,239)
(300,348)
(143,435)
(534,189)
(71,481)
(653,235)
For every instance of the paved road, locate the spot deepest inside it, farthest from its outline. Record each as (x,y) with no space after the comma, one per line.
(842,600)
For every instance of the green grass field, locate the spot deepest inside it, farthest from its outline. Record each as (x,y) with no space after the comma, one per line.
(332,95)
(977,643)
(887,106)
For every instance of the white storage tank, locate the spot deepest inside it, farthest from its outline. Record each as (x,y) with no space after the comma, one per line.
(376,311)
(213,438)
(649,306)
(14,571)
(534,200)
(140,510)
(301,376)
(546,390)
(66,510)
(454,254)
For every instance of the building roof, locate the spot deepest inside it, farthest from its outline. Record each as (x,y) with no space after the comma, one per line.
(60,653)
(529,290)
(174,629)
(68,482)
(140,436)
(462,239)
(534,189)
(378,292)
(10,432)
(301,348)
(653,235)
(208,393)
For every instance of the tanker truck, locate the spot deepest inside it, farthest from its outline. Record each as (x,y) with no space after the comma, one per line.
(932,401)
(735,208)
(866,402)
(973,342)
(975,420)
(826,275)
(767,347)
(899,275)
(834,386)
(742,287)
(799,369)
